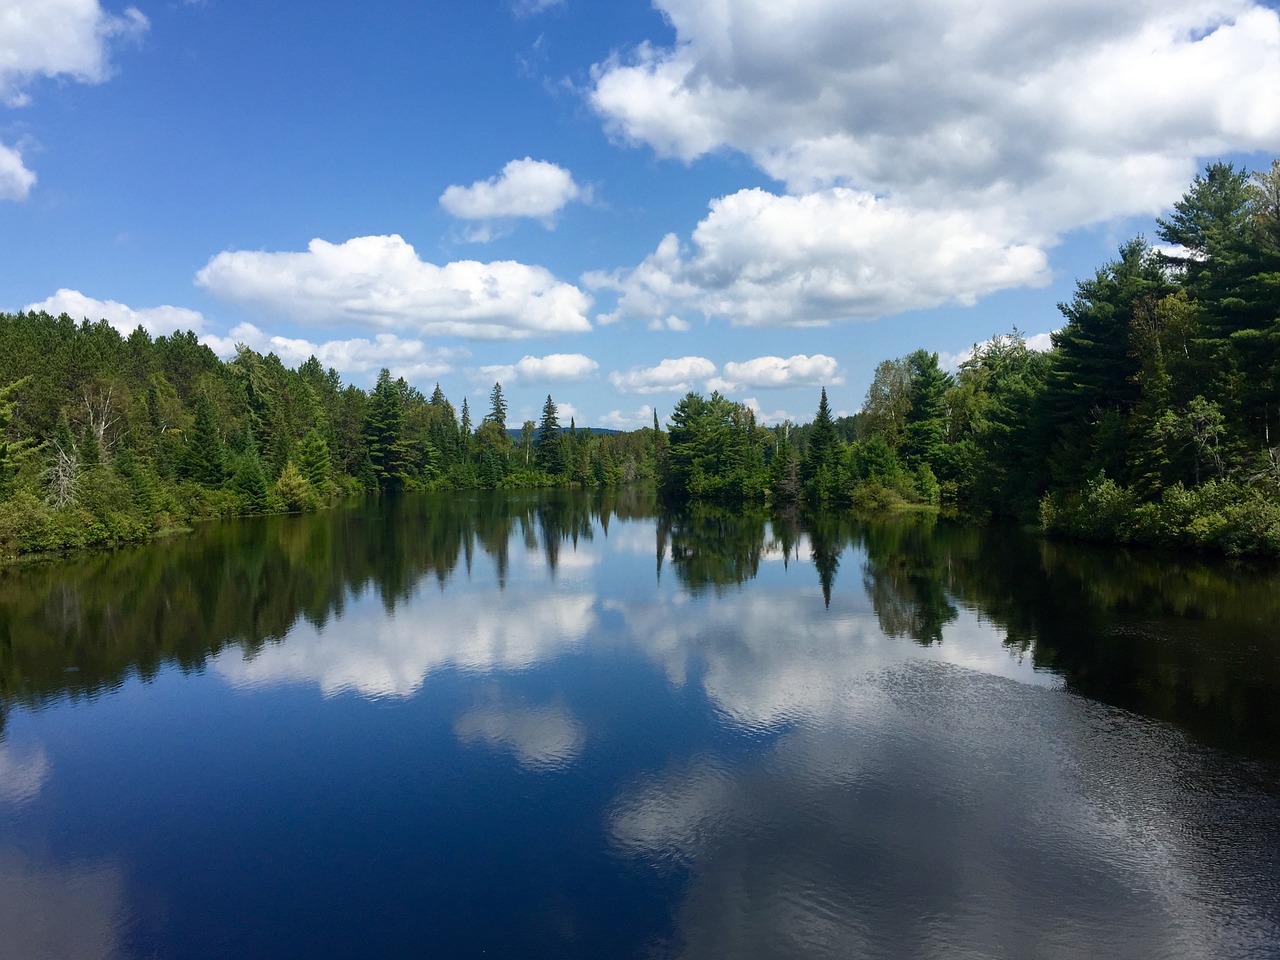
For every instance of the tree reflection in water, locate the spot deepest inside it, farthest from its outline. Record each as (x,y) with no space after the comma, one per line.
(1186,640)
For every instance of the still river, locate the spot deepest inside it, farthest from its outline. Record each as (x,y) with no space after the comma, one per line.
(573,725)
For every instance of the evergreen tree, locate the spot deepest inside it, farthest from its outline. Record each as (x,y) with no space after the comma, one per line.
(925,429)
(497,408)
(249,481)
(1094,387)
(11,450)
(88,450)
(819,470)
(548,453)
(204,459)
(384,434)
(315,463)
(293,490)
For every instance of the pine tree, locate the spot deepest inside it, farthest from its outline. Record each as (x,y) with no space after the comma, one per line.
(88,450)
(204,459)
(384,434)
(821,459)
(498,407)
(925,432)
(549,456)
(315,463)
(11,451)
(293,489)
(249,481)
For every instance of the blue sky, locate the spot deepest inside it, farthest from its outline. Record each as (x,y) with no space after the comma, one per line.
(610,202)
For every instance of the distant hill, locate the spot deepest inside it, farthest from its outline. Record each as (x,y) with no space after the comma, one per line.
(514,432)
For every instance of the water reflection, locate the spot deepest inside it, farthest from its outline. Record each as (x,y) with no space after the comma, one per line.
(74,912)
(1186,641)
(547,737)
(369,653)
(574,725)
(23,771)
(913,824)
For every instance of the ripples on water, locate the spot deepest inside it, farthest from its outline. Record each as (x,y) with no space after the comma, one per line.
(564,727)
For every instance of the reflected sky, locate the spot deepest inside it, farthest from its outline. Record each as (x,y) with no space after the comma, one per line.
(917,825)
(75,912)
(567,728)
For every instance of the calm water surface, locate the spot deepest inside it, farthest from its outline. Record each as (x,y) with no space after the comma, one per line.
(573,726)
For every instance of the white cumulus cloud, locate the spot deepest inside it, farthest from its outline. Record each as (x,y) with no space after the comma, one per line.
(356,359)
(524,188)
(16,180)
(932,113)
(563,367)
(670,323)
(380,282)
(777,372)
(768,419)
(763,260)
(669,376)
(617,420)
(155,320)
(937,95)
(51,38)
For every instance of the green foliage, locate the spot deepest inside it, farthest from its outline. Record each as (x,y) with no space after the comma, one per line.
(316,464)
(1220,516)
(1150,420)
(12,451)
(293,490)
(547,449)
(384,435)
(715,451)
(204,458)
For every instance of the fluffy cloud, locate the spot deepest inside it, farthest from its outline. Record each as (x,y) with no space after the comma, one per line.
(51,38)
(155,320)
(617,420)
(935,95)
(670,323)
(775,372)
(764,260)
(524,188)
(16,180)
(770,419)
(356,358)
(563,367)
(933,113)
(669,376)
(380,282)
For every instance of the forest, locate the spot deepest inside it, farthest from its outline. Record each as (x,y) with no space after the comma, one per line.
(1149,421)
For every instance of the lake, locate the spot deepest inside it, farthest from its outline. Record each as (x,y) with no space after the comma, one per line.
(574,725)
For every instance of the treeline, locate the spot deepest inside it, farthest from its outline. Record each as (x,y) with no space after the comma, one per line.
(106,438)
(1150,420)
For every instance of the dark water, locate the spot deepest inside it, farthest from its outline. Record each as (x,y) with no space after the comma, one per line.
(571,726)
